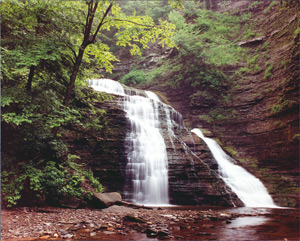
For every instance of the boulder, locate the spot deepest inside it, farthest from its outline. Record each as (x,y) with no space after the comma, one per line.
(104,200)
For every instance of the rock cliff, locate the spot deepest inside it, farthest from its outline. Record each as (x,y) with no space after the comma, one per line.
(193,178)
(258,122)
(259,125)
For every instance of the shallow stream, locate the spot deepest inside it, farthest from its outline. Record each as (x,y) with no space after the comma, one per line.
(249,224)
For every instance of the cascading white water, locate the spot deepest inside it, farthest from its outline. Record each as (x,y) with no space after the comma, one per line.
(147,156)
(147,166)
(247,187)
(107,85)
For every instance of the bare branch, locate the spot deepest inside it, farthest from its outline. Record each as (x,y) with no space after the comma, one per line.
(102,20)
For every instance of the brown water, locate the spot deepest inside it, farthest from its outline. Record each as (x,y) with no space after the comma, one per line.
(263,224)
(253,224)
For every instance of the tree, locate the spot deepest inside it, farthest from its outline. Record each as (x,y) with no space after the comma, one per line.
(139,29)
(56,41)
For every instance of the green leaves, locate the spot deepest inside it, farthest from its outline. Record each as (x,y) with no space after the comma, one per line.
(15,119)
(46,178)
(134,77)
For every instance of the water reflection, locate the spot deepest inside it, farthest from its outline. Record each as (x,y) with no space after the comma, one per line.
(247,221)
(261,224)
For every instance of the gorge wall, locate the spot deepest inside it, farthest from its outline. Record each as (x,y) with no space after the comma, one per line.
(258,123)
(193,179)
(259,126)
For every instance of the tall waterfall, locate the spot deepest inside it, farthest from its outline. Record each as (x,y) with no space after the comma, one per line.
(248,188)
(147,161)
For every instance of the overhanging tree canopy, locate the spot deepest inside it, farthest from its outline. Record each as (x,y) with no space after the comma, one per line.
(63,36)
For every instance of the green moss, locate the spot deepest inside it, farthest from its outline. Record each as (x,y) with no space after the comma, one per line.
(254,4)
(282,105)
(231,150)
(250,162)
(278,123)
(223,114)
(272,4)
(257,95)
(296,137)
(205,118)
(268,71)
(265,46)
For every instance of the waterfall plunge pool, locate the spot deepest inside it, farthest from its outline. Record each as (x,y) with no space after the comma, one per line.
(209,223)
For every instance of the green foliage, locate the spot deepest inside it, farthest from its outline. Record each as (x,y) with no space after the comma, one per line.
(205,118)
(162,72)
(134,77)
(296,32)
(209,38)
(83,172)
(282,105)
(272,4)
(268,71)
(254,4)
(231,150)
(40,43)
(46,179)
(223,114)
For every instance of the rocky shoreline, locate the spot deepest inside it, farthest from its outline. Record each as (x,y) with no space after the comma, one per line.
(113,223)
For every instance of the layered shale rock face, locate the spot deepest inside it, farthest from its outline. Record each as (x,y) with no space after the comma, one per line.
(259,126)
(192,171)
(104,152)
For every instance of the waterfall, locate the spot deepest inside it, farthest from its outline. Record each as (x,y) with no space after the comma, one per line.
(147,161)
(247,187)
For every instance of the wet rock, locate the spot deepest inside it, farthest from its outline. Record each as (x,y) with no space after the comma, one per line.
(68,236)
(104,200)
(109,232)
(162,233)
(203,233)
(150,230)
(45,237)
(134,219)
(151,235)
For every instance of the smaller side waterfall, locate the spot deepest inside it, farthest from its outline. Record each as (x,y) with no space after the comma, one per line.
(247,187)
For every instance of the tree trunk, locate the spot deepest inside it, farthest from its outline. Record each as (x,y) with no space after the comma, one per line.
(207,4)
(214,5)
(30,77)
(74,74)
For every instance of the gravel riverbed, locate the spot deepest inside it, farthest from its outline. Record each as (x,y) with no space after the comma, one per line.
(113,223)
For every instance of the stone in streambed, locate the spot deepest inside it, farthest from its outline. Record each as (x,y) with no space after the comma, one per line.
(163,233)
(68,236)
(104,200)
(135,219)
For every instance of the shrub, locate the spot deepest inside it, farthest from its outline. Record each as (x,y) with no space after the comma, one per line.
(134,77)
(48,179)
